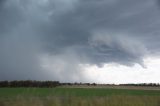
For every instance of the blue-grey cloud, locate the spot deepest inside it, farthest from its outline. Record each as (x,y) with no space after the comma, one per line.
(75,32)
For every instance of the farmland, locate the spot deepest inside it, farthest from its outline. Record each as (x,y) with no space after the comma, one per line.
(63,96)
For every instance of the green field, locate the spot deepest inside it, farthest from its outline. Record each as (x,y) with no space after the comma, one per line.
(78,97)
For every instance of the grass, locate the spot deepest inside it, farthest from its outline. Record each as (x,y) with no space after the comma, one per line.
(11,92)
(77,97)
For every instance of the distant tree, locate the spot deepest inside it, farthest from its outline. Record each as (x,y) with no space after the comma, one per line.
(3,83)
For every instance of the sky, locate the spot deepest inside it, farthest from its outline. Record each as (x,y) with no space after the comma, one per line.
(102,41)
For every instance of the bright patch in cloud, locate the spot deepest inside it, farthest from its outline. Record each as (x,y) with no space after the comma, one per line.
(115,73)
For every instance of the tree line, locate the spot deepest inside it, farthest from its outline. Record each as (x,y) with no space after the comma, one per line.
(50,84)
(29,83)
(40,84)
(143,84)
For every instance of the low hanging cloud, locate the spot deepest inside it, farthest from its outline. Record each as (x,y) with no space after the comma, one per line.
(112,47)
(50,39)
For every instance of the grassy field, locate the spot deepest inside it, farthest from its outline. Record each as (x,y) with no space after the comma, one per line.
(78,97)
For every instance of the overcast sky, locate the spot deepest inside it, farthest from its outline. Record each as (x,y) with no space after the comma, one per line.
(102,41)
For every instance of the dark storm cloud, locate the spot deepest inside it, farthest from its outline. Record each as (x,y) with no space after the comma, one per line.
(65,34)
(77,27)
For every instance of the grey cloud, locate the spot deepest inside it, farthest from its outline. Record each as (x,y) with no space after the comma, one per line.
(113,49)
(76,27)
(19,57)
(10,16)
(74,32)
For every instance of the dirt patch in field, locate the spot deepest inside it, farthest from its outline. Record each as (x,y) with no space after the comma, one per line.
(112,87)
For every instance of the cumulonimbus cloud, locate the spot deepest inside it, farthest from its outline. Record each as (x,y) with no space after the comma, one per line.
(94,32)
